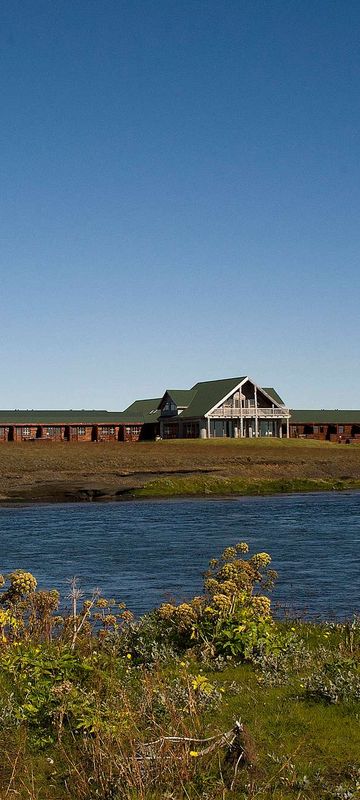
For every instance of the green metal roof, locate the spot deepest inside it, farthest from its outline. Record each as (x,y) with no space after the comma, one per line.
(275,396)
(78,417)
(181,397)
(325,416)
(208,394)
(142,411)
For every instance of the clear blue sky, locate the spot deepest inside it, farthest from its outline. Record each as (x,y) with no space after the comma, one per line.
(179,199)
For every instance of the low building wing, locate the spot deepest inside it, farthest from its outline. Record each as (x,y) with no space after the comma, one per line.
(325,416)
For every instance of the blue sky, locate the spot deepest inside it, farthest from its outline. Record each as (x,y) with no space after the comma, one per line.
(179,199)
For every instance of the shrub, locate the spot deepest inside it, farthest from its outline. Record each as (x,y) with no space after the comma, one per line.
(335,681)
(231,617)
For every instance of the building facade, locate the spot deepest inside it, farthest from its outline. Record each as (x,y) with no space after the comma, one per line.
(227,408)
(231,408)
(326,425)
(67,426)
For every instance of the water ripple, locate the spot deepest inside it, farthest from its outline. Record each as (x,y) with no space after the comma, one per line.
(146,552)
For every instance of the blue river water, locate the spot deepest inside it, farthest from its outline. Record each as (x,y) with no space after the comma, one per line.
(145,552)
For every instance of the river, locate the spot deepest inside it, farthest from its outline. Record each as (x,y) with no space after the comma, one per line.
(145,552)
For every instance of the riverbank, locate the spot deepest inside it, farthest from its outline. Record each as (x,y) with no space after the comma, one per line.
(60,472)
(211,698)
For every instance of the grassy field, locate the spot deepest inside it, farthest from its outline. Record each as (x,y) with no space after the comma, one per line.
(49,472)
(298,746)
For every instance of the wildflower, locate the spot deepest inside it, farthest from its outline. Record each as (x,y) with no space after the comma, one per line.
(228,587)
(110,619)
(127,616)
(222,601)
(128,655)
(261,560)
(261,605)
(229,552)
(212,585)
(194,753)
(228,571)
(242,547)
(22,582)
(102,602)
(166,611)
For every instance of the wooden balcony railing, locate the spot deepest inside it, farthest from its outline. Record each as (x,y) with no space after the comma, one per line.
(260,413)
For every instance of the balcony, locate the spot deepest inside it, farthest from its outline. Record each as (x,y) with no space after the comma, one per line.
(246,413)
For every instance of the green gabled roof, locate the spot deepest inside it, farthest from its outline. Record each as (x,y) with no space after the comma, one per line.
(325,416)
(275,396)
(181,397)
(68,417)
(207,394)
(142,411)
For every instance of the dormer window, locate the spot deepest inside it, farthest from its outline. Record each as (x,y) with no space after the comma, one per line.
(169,408)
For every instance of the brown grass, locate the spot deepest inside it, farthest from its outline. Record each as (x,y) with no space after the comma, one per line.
(59,472)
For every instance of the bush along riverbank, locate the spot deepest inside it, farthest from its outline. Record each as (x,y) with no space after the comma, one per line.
(210,698)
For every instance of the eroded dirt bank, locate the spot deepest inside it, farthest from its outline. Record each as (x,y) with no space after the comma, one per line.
(35,472)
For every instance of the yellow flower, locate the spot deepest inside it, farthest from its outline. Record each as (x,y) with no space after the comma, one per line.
(242,547)
(222,601)
(261,605)
(194,753)
(128,655)
(261,559)
(229,552)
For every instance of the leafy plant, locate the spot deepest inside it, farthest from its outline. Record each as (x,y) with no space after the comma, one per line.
(232,617)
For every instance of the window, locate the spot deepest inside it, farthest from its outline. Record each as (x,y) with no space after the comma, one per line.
(133,430)
(316,429)
(2,431)
(49,431)
(25,431)
(341,429)
(191,430)
(81,430)
(169,408)
(170,431)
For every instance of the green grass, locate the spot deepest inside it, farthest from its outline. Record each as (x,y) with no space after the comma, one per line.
(301,749)
(221,486)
